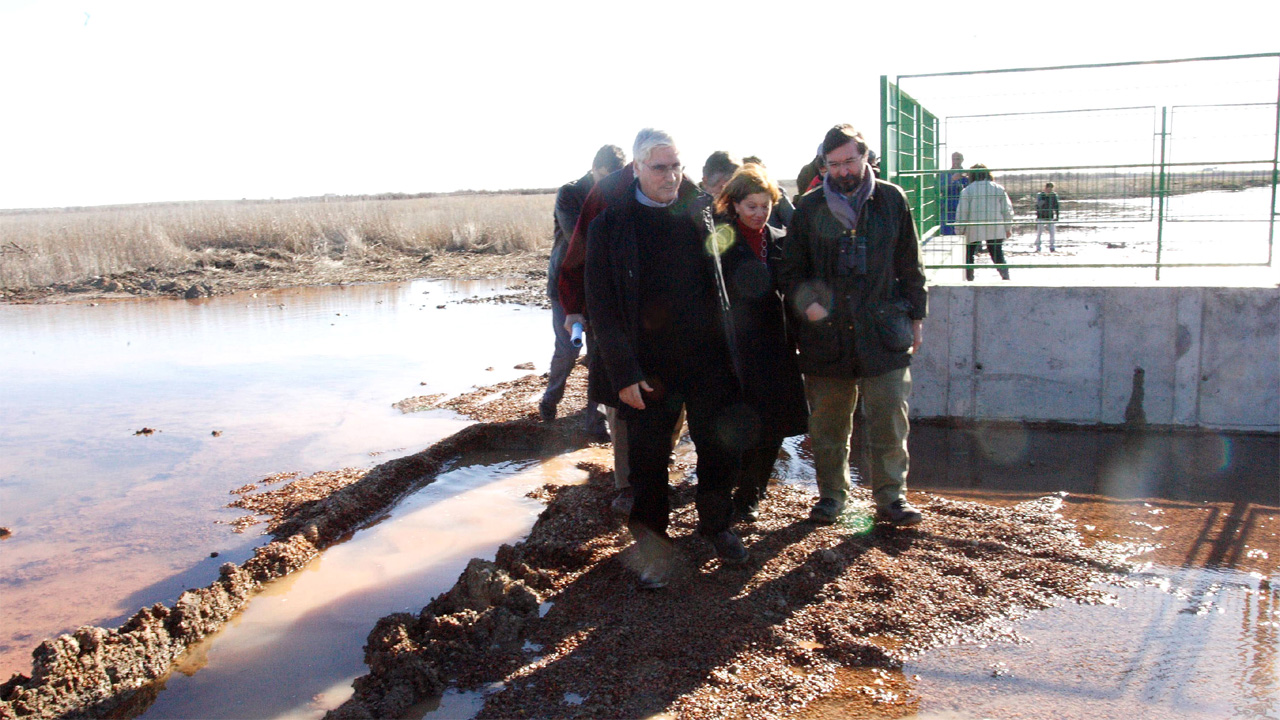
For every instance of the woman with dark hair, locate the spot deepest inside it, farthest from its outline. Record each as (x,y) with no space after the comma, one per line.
(750,251)
(984,215)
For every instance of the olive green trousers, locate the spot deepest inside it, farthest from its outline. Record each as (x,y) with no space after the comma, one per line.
(831,406)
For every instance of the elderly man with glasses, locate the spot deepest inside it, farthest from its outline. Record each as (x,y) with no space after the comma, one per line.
(657,302)
(853,280)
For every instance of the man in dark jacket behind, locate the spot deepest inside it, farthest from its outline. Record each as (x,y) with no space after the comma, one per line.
(656,299)
(569,199)
(852,277)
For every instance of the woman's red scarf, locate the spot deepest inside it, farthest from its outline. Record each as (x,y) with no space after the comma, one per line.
(754,238)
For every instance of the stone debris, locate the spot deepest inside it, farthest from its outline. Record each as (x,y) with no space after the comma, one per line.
(817,609)
(506,401)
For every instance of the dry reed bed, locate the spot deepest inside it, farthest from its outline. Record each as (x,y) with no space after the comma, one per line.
(44,248)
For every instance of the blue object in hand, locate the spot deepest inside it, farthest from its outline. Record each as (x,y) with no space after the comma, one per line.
(575,335)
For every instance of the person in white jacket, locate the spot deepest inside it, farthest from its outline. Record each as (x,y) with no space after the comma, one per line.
(985,215)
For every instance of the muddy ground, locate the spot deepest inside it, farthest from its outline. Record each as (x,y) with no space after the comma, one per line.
(226,271)
(816,625)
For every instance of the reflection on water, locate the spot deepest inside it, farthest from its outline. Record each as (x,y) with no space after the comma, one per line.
(294,652)
(1188,643)
(294,380)
(1171,465)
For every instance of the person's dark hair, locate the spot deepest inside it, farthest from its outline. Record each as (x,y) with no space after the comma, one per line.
(841,135)
(752,160)
(720,162)
(609,157)
(979,173)
(1048,186)
(748,180)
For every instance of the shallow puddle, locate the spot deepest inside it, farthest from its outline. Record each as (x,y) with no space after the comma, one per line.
(1187,643)
(295,650)
(1196,634)
(292,380)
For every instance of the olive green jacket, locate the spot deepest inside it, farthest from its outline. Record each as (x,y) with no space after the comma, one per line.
(849,342)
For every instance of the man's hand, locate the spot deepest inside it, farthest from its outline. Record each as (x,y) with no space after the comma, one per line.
(569,320)
(917,334)
(631,394)
(815,312)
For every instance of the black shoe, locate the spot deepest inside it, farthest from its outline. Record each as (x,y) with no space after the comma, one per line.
(728,547)
(748,514)
(826,512)
(621,504)
(901,513)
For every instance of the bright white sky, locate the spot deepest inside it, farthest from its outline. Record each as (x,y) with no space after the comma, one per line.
(136,101)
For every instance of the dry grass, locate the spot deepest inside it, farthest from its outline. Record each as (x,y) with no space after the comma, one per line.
(64,246)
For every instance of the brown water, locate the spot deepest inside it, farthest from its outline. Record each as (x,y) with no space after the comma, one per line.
(106,521)
(1195,634)
(294,652)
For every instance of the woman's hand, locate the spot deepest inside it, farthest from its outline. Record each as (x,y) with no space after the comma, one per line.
(631,394)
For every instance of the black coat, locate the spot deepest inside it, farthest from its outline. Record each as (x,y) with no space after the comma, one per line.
(770,373)
(846,343)
(613,296)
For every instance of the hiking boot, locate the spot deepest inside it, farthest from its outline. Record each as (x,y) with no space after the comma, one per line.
(654,559)
(728,547)
(901,513)
(621,504)
(826,512)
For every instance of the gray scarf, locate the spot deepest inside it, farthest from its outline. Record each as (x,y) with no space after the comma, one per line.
(847,208)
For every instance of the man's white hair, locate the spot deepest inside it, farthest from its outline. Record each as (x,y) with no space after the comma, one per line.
(648,139)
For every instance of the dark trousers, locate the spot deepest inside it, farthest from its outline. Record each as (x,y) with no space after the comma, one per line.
(996,250)
(563,359)
(757,468)
(715,425)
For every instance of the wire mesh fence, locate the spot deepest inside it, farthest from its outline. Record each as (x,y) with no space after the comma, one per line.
(1162,164)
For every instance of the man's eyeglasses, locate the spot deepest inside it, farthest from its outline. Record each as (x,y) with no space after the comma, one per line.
(672,169)
(850,164)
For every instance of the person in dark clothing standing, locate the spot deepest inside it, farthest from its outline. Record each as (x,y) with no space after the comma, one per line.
(569,199)
(1047,215)
(950,184)
(750,251)
(854,282)
(658,306)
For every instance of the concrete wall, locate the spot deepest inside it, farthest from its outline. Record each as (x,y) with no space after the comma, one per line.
(1210,356)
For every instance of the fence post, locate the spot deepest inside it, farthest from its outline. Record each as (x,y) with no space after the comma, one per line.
(1275,178)
(1161,191)
(888,148)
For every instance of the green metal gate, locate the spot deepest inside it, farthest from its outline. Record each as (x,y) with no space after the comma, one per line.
(909,136)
